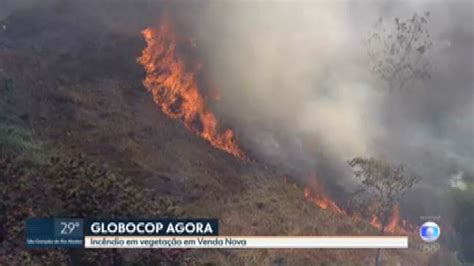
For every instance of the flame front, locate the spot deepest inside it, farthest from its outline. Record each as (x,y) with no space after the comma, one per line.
(175,88)
(322,201)
(393,225)
(314,192)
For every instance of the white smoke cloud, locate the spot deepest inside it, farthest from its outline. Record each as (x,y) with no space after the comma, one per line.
(291,68)
(456,181)
(296,86)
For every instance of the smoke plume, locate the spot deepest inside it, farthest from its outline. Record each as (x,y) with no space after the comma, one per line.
(295,85)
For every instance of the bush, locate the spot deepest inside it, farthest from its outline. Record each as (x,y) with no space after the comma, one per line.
(73,188)
(16,141)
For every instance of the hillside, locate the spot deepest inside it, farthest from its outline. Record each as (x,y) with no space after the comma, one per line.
(72,87)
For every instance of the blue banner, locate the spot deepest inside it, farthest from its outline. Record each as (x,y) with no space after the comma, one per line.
(51,233)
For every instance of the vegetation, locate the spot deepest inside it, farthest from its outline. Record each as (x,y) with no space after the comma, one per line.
(71,188)
(464,219)
(383,185)
(15,140)
(86,100)
(15,137)
(66,187)
(31,185)
(398,56)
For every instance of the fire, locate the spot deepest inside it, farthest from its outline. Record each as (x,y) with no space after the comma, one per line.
(392,225)
(314,192)
(322,201)
(174,88)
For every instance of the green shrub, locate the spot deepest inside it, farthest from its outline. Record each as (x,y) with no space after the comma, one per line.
(18,142)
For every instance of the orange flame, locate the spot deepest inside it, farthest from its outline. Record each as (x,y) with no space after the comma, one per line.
(175,88)
(393,225)
(322,201)
(314,192)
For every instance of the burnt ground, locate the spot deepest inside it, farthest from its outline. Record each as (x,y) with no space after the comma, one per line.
(74,83)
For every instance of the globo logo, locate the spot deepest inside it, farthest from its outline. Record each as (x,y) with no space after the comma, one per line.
(430,231)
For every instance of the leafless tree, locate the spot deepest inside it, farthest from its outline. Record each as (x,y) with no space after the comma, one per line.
(398,55)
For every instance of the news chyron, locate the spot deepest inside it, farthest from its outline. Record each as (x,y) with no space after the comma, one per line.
(178,233)
(79,233)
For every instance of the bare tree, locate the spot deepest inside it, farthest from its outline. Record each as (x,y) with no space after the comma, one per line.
(384,184)
(397,55)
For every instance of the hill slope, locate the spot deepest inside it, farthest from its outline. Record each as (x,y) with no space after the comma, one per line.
(76,87)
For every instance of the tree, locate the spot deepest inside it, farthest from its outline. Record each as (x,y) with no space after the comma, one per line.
(384,184)
(398,56)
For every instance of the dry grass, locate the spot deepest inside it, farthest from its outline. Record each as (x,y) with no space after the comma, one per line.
(136,140)
(103,111)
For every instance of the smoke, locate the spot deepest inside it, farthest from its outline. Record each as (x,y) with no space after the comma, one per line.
(288,79)
(295,85)
(457,181)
